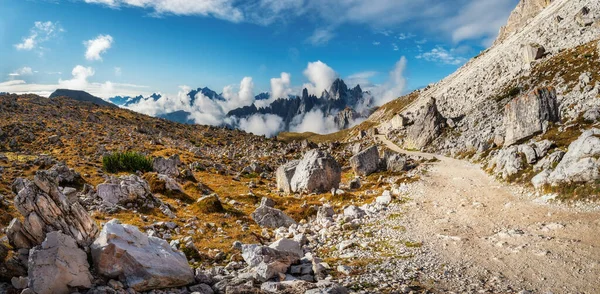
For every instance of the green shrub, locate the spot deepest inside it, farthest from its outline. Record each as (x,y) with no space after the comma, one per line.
(126,162)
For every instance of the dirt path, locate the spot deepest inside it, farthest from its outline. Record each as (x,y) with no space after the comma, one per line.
(494,233)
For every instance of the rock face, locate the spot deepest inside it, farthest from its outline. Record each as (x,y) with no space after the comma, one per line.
(520,17)
(366,162)
(284,175)
(316,172)
(58,265)
(142,262)
(526,115)
(580,164)
(427,126)
(45,209)
(268,217)
(167,166)
(124,189)
(344,118)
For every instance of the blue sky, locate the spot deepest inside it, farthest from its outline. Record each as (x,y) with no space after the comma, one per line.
(111,47)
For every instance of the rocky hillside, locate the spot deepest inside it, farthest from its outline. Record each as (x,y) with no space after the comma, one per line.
(536,86)
(90,194)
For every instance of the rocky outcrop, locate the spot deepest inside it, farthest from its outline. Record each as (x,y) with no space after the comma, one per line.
(269,217)
(507,162)
(533,52)
(142,262)
(167,166)
(345,118)
(521,16)
(284,176)
(365,162)
(428,125)
(124,189)
(528,115)
(580,164)
(58,266)
(317,171)
(45,209)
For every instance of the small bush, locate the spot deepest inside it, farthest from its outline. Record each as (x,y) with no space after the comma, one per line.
(126,162)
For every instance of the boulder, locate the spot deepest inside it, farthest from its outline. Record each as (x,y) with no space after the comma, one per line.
(354,212)
(526,115)
(317,172)
(267,262)
(58,266)
(593,114)
(584,17)
(142,262)
(124,189)
(365,162)
(529,152)
(269,217)
(533,52)
(13,266)
(399,121)
(45,209)
(580,164)
(395,162)
(284,176)
(287,245)
(549,162)
(507,162)
(428,125)
(167,166)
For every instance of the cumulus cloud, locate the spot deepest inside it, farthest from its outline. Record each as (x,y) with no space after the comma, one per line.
(98,46)
(80,78)
(441,55)
(40,32)
(314,121)
(320,75)
(244,97)
(262,124)
(393,87)
(281,87)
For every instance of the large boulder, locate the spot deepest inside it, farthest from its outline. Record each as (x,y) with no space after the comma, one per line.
(167,166)
(284,176)
(395,162)
(58,266)
(124,189)
(581,163)
(269,217)
(365,162)
(45,209)
(533,52)
(142,262)
(316,172)
(428,125)
(525,116)
(507,162)
(267,262)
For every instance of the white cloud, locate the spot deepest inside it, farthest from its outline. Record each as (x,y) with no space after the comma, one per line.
(24,71)
(395,47)
(244,97)
(403,36)
(40,33)
(320,37)
(79,80)
(262,124)
(376,43)
(98,46)
(441,55)
(362,79)
(223,9)
(314,121)
(321,77)
(118,71)
(281,87)
(392,88)
(474,20)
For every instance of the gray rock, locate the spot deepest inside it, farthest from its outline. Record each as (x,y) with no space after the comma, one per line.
(316,172)
(584,17)
(355,184)
(167,166)
(533,52)
(265,201)
(542,148)
(525,116)
(124,189)
(549,162)
(284,176)
(592,115)
(354,212)
(269,217)
(19,282)
(365,162)
(142,262)
(580,164)
(202,289)
(427,126)
(395,162)
(46,209)
(287,245)
(529,152)
(507,162)
(267,262)
(58,265)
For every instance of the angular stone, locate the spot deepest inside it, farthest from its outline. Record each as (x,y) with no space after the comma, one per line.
(366,162)
(533,52)
(525,115)
(269,217)
(287,245)
(124,189)
(167,166)
(580,164)
(58,265)
(267,262)
(317,172)
(284,176)
(142,262)
(427,126)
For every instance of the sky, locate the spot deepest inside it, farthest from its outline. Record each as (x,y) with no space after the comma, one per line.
(132,47)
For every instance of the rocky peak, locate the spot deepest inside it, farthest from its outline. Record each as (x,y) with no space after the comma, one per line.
(525,11)
(338,89)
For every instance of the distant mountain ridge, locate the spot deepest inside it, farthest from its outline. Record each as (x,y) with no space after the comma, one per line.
(80,96)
